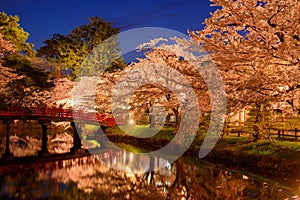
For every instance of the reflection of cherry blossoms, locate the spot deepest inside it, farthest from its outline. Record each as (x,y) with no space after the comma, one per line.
(87,178)
(96,177)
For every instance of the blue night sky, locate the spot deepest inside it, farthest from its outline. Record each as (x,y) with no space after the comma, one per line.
(42,18)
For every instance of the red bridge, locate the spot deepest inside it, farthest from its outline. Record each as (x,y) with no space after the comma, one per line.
(56,114)
(44,115)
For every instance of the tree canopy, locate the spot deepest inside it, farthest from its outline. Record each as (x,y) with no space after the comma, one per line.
(70,51)
(12,31)
(20,78)
(30,80)
(256,46)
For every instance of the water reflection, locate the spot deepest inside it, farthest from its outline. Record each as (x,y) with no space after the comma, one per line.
(88,178)
(132,162)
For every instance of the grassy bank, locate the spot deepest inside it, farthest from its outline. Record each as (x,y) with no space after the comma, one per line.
(166,133)
(281,148)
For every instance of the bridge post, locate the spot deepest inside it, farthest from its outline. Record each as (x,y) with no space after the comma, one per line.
(44,149)
(76,140)
(7,154)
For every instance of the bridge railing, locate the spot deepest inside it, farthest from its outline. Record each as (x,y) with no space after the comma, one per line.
(58,113)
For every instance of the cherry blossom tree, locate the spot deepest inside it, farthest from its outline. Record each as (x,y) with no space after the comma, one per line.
(177,58)
(6,46)
(7,75)
(58,96)
(22,82)
(256,46)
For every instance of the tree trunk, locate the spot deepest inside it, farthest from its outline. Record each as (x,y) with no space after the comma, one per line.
(178,118)
(256,128)
(152,121)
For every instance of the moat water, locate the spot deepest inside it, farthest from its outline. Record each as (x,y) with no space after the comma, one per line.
(90,178)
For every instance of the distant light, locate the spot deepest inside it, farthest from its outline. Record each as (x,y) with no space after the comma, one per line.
(131,121)
(245,177)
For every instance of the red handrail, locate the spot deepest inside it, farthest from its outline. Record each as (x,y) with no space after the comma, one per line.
(58,113)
